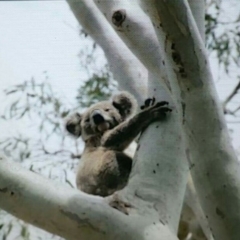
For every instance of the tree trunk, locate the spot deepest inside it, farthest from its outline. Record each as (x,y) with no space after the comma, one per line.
(214,165)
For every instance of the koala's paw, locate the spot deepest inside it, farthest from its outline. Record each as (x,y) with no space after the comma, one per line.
(159,110)
(148,102)
(119,204)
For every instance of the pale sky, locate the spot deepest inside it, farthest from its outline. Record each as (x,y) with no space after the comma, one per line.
(39,36)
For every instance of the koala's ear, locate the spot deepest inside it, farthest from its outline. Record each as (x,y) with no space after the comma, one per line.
(73,124)
(125,103)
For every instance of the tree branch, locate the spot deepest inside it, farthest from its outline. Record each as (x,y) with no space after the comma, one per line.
(62,211)
(67,212)
(231,95)
(157,151)
(215,171)
(127,69)
(136,30)
(198,12)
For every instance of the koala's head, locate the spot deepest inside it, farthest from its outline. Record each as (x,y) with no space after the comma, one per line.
(102,116)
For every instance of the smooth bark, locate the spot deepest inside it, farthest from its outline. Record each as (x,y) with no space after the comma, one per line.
(162,142)
(198,12)
(162,175)
(214,165)
(126,68)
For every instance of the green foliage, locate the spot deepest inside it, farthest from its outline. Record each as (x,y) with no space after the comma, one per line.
(222,37)
(97,88)
(36,99)
(99,83)
(40,107)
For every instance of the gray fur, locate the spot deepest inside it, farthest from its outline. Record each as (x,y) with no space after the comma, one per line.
(107,128)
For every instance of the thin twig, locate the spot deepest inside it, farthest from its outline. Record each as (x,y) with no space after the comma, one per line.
(238,108)
(232,94)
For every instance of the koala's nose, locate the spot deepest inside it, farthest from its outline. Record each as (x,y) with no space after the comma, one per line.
(97,117)
(70,127)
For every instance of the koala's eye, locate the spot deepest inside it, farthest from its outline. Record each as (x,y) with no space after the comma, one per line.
(87,120)
(107,109)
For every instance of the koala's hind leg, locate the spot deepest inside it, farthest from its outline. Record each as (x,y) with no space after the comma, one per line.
(114,172)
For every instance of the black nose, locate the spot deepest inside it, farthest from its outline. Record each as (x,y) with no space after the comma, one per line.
(71,127)
(97,118)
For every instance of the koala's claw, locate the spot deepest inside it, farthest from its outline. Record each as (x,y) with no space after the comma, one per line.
(160,104)
(165,109)
(120,205)
(150,102)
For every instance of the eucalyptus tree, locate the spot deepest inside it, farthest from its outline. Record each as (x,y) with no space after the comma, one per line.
(155,49)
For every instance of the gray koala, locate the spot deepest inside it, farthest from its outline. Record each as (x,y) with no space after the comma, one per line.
(107,128)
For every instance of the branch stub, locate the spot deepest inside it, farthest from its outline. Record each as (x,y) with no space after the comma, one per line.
(119,17)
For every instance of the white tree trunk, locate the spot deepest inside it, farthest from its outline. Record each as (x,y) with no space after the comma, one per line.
(162,142)
(191,198)
(198,12)
(214,166)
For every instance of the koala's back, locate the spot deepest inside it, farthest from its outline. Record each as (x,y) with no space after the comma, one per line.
(103,171)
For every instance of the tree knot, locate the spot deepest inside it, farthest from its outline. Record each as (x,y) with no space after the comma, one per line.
(119,17)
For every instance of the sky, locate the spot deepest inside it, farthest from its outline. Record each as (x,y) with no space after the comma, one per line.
(38,36)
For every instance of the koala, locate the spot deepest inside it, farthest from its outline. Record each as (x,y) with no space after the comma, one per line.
(107,128)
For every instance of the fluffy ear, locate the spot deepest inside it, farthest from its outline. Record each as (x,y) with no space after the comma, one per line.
(73,124)
(125,103)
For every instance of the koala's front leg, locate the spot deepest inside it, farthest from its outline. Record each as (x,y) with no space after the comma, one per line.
(122,135)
